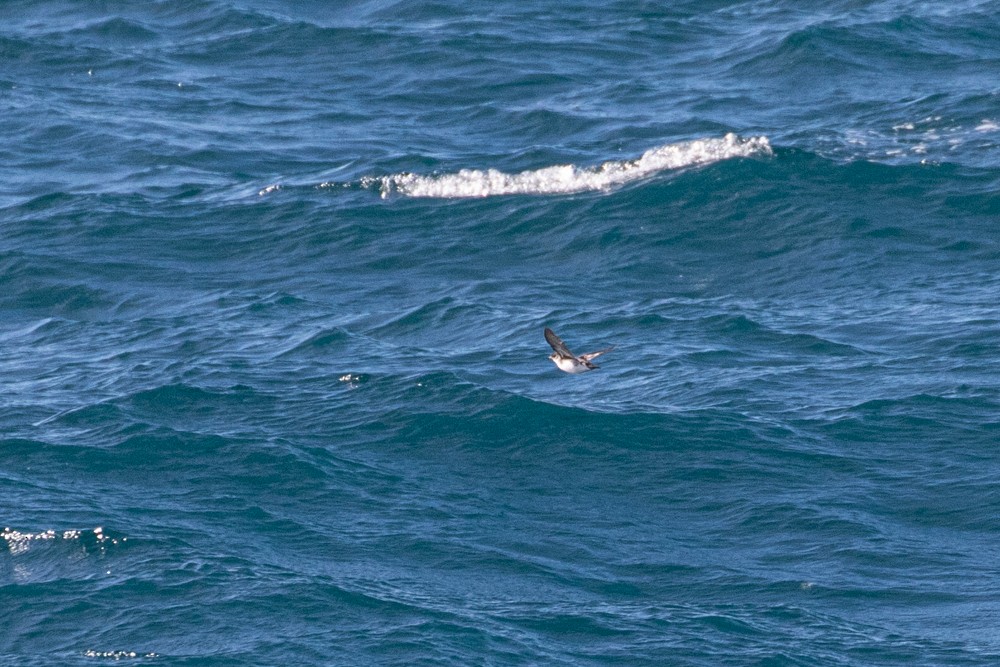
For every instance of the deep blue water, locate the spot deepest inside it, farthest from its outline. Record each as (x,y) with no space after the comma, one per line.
(273,280)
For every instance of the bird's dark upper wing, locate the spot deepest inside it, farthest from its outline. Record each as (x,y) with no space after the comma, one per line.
(557,344)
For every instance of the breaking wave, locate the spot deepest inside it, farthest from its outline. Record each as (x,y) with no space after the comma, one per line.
(562,179)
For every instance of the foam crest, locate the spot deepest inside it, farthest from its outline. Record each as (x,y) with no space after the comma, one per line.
(18,542)
(561,179)
(118,655)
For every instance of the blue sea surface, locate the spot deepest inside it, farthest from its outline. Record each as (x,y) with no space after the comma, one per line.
(273,281)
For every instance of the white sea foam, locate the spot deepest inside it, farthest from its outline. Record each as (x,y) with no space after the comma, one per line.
(118,655)
(18,542)
(561,179)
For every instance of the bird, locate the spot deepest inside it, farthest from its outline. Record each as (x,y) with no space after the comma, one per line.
(568,362)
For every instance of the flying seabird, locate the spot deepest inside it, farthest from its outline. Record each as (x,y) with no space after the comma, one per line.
(567,361)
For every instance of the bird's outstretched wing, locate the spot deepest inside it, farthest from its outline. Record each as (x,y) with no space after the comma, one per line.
(557,344)
(592,355)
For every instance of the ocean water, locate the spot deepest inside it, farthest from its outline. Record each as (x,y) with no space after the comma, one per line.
(273,385)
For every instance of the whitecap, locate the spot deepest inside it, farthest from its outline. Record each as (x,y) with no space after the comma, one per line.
(19,542)
(562,179)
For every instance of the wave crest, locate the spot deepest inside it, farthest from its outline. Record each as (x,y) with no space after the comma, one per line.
(562,179)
